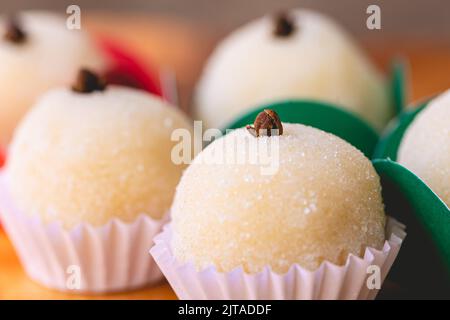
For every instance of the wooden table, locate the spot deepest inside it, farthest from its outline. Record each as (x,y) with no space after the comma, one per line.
(183,47)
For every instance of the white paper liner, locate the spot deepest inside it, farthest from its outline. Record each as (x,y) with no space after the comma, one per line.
(110,258)
(329,281)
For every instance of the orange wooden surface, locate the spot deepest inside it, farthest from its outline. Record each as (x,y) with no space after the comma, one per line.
(183,47)
(14,284)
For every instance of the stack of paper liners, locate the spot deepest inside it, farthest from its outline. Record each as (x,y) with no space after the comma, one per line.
(85,259)
(329,281)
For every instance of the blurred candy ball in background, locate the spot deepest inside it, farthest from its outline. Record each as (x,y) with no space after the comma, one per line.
(38,52)
(298,54)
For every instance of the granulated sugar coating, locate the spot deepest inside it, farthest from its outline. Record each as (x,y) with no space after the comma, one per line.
(50,56)
(317,60)
(323,202)
(425,147)
(92,157)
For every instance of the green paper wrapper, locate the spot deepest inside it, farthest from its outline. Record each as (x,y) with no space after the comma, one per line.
(399,85)
(424,267)
(332,118)
(324,116)
(389,143)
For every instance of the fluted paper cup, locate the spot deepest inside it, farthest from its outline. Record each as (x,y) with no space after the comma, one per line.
(356,279)
(84,259)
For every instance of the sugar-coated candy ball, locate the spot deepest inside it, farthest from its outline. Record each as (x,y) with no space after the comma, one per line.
(93,156)
(320,201)
(425,147)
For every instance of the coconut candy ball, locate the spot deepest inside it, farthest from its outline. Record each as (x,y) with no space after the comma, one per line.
(322,204)
(38,52)
(425,147)
(301,54)
(90,157)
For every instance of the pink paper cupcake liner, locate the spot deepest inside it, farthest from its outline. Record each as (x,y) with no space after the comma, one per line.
(110,258)
(329,281)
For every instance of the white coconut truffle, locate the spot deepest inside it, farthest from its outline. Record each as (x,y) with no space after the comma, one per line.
(316,60)
(49,55)
(90,157)
(323,203)
(425,147)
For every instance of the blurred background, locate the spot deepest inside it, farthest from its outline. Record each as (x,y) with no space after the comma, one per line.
(404,18)
(178,35)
